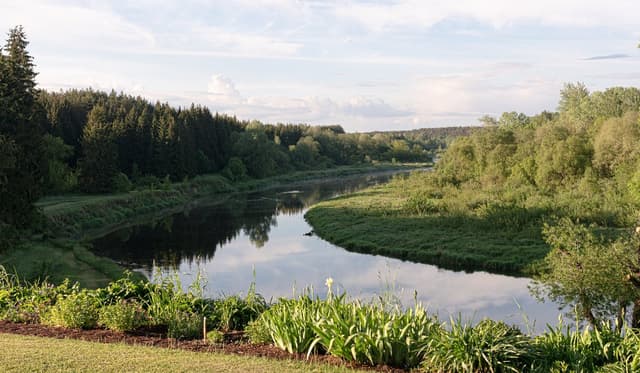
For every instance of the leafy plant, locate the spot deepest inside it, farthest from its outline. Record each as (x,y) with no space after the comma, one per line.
(184,325)
(215,336)
(290,323)
(257,332)
(123,316)
(77,310)
(370,334)
(490,346)
(584,350)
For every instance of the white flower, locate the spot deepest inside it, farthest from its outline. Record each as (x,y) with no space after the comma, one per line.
(329,282)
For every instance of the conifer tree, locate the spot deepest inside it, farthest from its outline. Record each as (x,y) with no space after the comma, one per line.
(22,121)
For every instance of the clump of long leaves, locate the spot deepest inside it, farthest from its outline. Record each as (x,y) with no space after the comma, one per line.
(489,346)
(234,312)
(290,323)
(565,348)
(370,334)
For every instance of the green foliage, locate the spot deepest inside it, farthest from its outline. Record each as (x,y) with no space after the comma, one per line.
(22,160)
(235,170)
(60,177)
(290,323)
(258,332)
(215,336)
(489,346)
(586,272)
(78,310)
(371,335)
(123,316)
(121,183)
(184,325)
(562,348)
(234,313)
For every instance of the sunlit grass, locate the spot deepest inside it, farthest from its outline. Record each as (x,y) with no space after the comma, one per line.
(36,354)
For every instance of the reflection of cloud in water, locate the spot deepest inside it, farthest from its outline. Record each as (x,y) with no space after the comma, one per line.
(289,259)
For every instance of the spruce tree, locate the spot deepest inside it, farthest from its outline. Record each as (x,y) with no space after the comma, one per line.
(22,121)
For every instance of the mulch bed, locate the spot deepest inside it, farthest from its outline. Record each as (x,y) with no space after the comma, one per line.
(234,343)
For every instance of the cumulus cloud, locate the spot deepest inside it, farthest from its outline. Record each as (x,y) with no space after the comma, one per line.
(223,95)
(221,91)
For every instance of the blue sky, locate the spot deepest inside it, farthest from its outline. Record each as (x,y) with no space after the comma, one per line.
(367,65)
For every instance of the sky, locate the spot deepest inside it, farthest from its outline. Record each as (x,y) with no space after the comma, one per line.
(366,65)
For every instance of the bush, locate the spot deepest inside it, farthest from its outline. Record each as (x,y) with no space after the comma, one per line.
(121,183)
(490,346)
(234,313)
(258,333)
(184,325)
(77,311)
(123,316)
(215,336)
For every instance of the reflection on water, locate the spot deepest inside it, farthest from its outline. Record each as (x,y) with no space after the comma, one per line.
(266,231)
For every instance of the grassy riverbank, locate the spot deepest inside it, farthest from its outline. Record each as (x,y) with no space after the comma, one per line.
(72,220)
(37,354)
(399,220)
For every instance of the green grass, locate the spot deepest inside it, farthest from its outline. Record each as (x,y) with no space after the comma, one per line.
(36,354)
(382,221)
(56,261)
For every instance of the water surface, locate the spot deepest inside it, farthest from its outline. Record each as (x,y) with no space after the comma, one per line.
(265,234)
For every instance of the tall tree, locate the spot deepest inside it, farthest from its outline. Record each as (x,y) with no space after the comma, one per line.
(22,121)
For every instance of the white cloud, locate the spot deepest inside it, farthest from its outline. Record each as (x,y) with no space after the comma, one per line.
(74,27)
(498,13)
(223,95)
(222,91)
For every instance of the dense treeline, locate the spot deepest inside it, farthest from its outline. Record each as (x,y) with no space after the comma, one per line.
(576,175)
(108,140)
(97,142)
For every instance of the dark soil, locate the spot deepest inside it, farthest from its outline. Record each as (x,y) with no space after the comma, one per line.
(235,343)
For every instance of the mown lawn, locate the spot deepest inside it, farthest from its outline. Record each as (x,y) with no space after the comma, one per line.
(37,354)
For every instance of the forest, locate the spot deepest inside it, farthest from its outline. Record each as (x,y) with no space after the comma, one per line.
(88,141)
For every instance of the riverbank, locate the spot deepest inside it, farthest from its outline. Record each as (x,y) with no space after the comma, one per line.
(384,220)
(73,220)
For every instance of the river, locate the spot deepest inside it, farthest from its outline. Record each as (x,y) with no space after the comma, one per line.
(264,236)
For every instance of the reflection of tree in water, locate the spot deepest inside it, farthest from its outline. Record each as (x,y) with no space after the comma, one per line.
(195,235)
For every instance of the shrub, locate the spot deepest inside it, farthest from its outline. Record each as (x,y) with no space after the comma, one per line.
(123,316)
(77,310)
(215,336)
(490,346)
(234,313)
(257,332)
(121,183)
(184,325)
